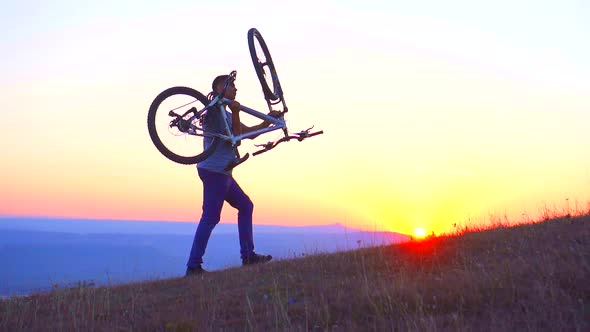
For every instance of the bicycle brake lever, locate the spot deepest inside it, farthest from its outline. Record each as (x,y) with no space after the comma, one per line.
(266,145)
(271,145)
(304,133)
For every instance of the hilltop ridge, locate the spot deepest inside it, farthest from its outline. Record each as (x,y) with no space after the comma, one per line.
(527,277)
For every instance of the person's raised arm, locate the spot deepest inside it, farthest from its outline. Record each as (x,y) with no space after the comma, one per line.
(236,127)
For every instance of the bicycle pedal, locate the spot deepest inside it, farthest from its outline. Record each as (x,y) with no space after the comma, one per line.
(236,162)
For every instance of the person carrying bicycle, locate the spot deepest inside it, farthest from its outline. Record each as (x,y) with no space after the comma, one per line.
(219,186)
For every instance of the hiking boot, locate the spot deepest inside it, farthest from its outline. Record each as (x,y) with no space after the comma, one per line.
(256,259)
(194,270)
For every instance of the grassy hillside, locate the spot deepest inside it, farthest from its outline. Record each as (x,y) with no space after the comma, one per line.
(528,277)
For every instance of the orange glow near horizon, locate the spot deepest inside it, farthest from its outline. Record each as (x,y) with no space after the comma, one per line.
(419,232)
(433,115)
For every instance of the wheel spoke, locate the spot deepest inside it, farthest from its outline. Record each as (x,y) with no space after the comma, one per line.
(181,106)
(174,139)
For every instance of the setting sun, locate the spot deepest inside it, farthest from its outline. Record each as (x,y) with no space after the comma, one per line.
(419,232)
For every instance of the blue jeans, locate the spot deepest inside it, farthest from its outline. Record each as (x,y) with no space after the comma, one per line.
(218,188)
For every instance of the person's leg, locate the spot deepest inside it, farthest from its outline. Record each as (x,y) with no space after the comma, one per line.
(215,188)
(239,200)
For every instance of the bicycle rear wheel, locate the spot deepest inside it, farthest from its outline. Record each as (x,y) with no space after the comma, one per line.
(265,68)
(169,139)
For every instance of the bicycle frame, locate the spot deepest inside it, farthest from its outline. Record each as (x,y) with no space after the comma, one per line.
(191,121)
(219,105)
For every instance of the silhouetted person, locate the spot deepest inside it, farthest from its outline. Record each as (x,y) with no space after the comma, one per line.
(219,186)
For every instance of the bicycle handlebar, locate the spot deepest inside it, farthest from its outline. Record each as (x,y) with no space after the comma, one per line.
(316,133)
(300,137)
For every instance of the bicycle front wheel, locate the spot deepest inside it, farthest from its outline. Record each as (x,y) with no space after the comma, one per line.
(265,68)
(174,143)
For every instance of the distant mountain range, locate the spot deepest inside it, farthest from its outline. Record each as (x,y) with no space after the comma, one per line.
(40,253)
(87,226)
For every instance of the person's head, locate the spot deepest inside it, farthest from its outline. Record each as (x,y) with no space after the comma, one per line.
(219,82)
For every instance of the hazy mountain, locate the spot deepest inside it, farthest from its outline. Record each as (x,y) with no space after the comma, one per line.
(142,227)
(37,253)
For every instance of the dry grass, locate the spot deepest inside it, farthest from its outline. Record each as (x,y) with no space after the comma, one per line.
(527,277)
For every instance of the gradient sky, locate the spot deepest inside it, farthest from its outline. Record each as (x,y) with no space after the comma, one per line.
(434,112)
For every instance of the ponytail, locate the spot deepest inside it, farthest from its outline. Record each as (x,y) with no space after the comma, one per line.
(211,95)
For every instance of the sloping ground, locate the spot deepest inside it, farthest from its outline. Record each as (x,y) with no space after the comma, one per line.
(529,277)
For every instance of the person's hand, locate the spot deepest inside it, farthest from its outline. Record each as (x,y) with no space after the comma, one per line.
(234,106)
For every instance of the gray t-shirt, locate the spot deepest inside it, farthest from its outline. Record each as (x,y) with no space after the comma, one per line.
(224,153)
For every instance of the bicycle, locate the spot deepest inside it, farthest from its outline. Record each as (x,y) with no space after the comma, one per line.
(170,110)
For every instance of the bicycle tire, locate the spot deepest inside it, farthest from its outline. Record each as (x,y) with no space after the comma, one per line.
(157,140)
(276,93)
